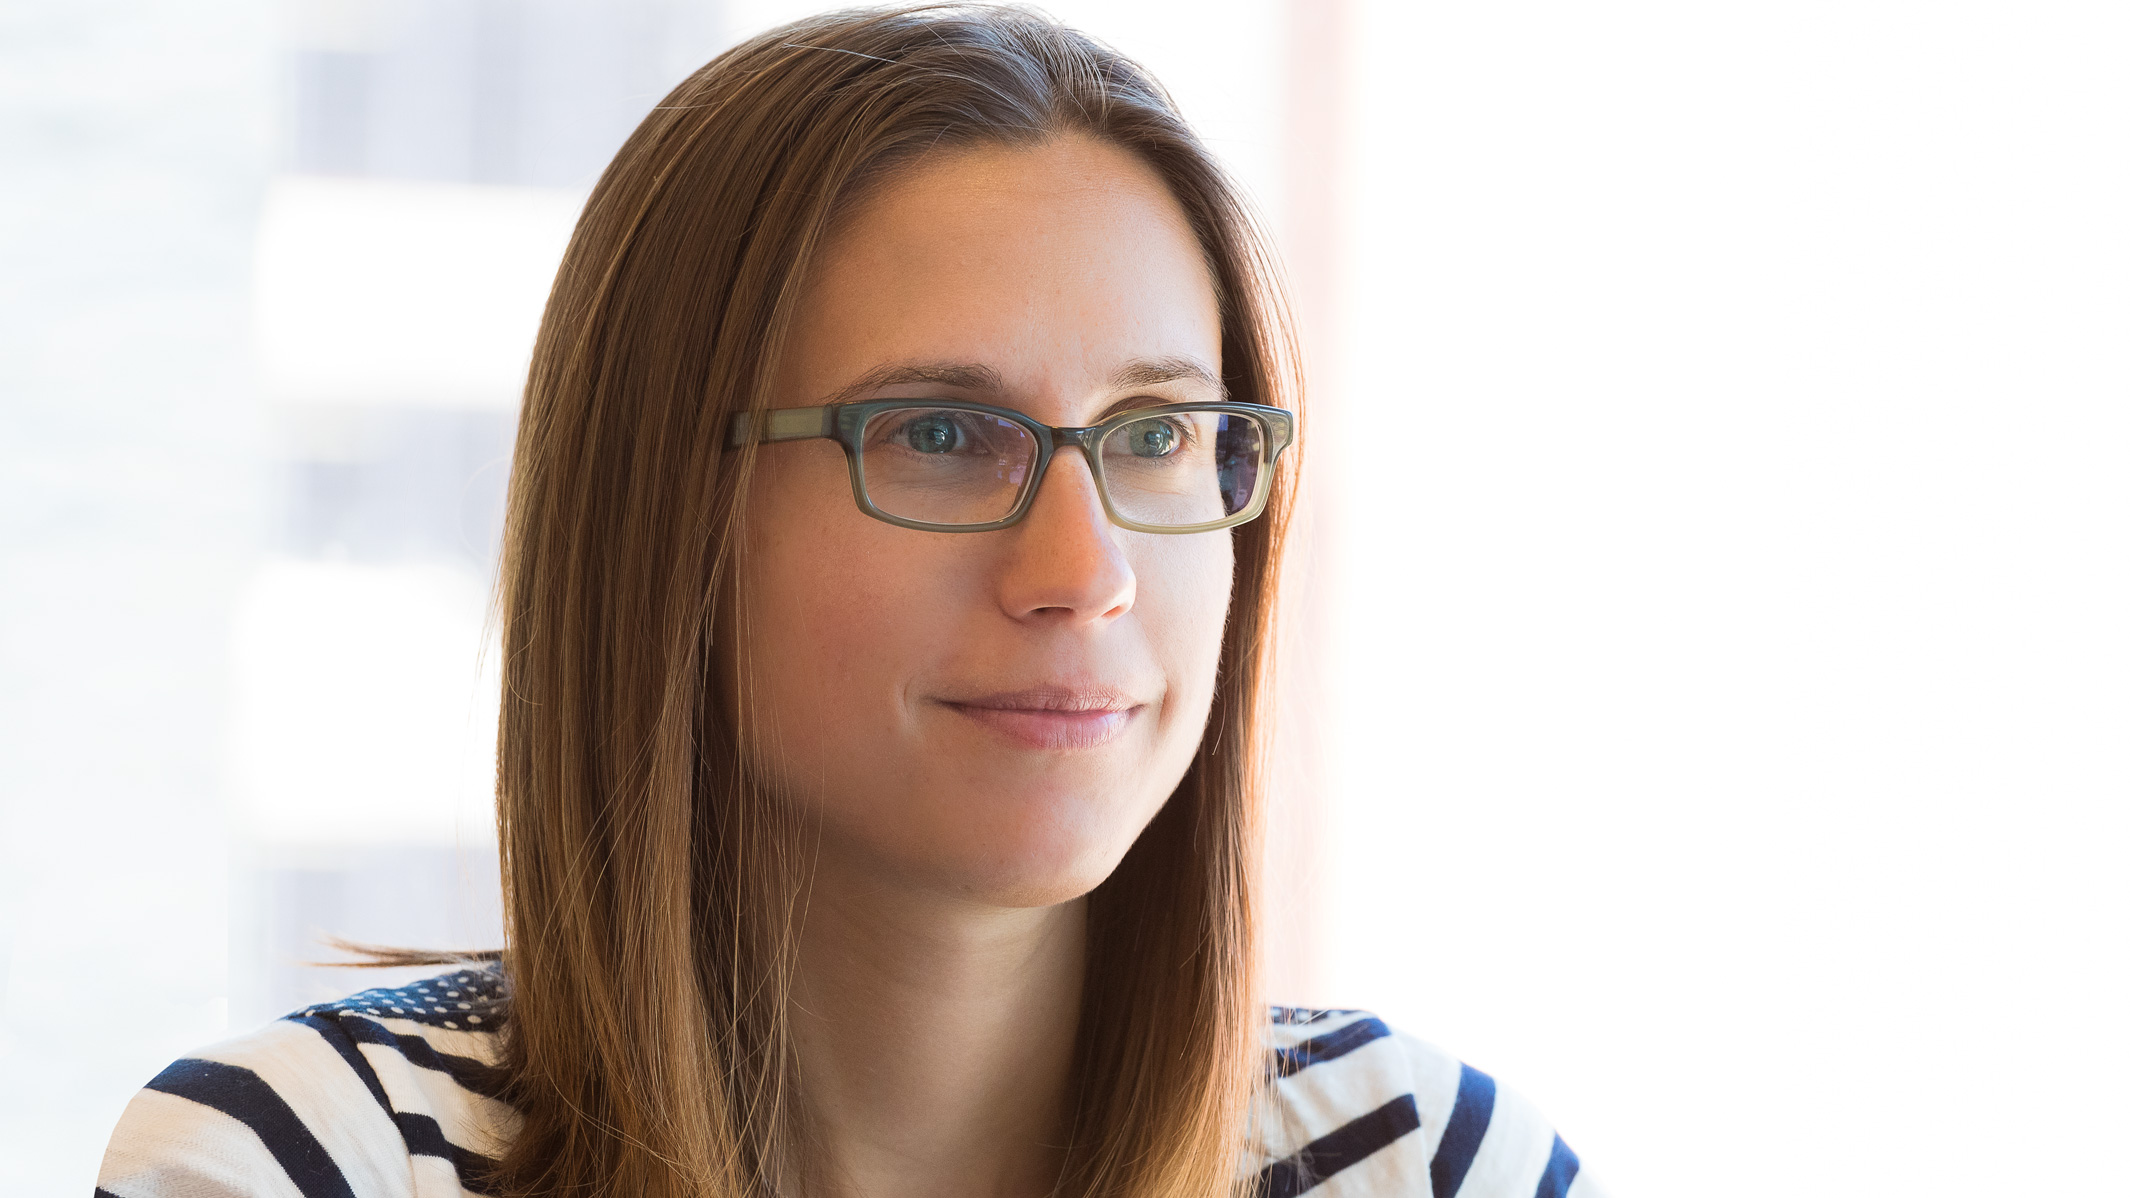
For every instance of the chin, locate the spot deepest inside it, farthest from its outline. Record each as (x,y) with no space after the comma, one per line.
(1040,859)
(1022,866)
(1035,887)
(993,833)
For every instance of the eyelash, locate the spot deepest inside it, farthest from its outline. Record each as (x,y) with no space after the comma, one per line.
(1187,429)
(1186,432)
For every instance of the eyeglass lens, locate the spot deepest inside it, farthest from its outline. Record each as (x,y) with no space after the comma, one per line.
(952,466)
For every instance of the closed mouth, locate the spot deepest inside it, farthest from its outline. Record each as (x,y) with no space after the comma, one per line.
(1052,717)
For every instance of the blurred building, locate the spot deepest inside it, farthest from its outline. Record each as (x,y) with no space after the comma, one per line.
(433,155)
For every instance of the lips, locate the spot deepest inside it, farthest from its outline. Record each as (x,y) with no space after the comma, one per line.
(1052,718)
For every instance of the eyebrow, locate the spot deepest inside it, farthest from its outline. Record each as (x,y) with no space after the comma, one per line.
(1150,372)
(963,376)
(970,376)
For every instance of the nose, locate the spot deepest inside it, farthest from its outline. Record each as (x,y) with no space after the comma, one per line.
(1067,562)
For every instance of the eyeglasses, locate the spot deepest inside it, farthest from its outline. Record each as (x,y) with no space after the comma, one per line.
(944,466)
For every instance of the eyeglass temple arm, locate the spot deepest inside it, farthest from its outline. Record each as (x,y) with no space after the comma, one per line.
(782,424)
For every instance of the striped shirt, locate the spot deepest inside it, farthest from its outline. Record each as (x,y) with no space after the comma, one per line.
(393,1094)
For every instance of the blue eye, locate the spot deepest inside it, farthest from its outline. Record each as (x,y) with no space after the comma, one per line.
(1152,439)
(932,434)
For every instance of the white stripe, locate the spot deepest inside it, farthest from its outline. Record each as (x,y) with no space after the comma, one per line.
(1398,1169)
(167,1146)
(433,1177)
(331,1101)
(1327,1096)
(1514,1153)
(1433,1076)
(469,1120)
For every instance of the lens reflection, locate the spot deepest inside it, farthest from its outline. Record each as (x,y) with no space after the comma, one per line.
(946,465)
(1168,469)
(1178,469)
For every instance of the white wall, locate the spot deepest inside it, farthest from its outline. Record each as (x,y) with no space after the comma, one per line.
(1734,581)
(133,147)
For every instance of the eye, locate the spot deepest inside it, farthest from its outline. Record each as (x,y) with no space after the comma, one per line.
(1153,438)
(931,434)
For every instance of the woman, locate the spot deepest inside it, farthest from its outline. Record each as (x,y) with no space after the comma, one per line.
(893,532)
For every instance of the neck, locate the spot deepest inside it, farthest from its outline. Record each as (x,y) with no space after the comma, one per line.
(935,1041)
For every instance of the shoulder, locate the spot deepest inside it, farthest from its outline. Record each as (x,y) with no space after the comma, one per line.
(388,1092)
(1356,1108)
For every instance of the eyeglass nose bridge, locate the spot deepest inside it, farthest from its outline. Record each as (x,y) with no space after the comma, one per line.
(1089,439)
(1049,440)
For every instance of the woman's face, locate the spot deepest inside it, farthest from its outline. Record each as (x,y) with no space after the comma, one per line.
(991,716)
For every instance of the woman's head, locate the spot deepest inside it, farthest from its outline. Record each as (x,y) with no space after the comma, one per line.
(992,716)
(720,672)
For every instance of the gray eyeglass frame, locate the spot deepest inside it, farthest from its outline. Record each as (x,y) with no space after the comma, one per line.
(845,423)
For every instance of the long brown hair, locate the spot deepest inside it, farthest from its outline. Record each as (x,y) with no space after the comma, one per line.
(652,885)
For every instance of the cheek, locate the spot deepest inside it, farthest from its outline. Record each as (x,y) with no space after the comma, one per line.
(814,584)
(1185,585)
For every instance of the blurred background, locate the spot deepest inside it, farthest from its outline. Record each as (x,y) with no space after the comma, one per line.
(1710,680)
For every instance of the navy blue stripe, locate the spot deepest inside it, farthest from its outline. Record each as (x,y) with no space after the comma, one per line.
(1461,1137)
(423,1135)
(330,1031)
(477,1076)
(245,1097)
(1349,1145)
(1561,1169)
(1329,1046)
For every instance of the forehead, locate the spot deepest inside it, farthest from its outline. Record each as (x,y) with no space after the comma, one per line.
(1055,266)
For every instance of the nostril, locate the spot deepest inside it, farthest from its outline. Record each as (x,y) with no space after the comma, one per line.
(1067,563)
